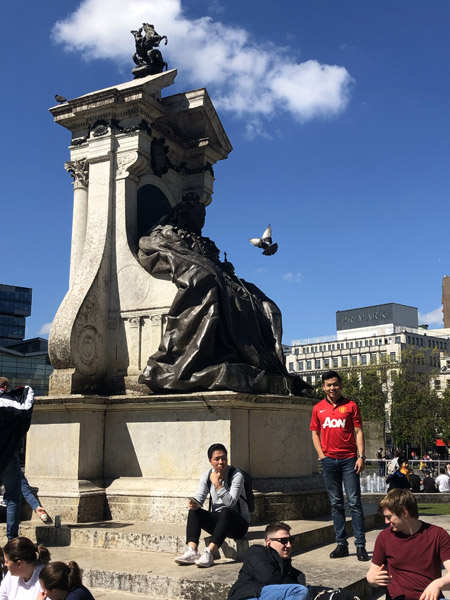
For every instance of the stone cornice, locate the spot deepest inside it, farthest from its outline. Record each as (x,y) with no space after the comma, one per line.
(194,401)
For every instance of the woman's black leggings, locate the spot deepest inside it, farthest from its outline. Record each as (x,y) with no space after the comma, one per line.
(220,524)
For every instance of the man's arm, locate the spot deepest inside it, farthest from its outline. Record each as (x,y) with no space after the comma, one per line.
(360,445)
(378,575)
(317,444)
(261,568)
(434,589)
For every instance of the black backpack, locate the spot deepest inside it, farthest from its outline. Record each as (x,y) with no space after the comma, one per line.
(248,487)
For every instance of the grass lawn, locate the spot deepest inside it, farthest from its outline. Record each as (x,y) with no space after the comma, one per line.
(434,509)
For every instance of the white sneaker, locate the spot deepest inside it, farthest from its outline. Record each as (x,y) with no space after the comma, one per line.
(206,559)
(189,557)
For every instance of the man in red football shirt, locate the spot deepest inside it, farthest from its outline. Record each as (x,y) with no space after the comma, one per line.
(338,438)
(408,555)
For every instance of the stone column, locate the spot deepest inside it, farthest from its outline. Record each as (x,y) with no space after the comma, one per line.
(79,171)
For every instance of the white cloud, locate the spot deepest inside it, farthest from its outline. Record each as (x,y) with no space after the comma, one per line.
(435,317)
(215,7)
(292,277)
(45,329)
(247,78)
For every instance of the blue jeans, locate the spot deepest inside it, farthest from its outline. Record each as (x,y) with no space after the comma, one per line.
(293,591)
(338,471)
(27,493)
(12,496)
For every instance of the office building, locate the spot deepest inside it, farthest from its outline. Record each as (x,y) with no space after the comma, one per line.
(21,361)
(15,306)
(372,335)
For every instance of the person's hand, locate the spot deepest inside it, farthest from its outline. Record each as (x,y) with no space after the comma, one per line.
(215,478)
(193,505)
(432,591)
(359,466)
(381,576)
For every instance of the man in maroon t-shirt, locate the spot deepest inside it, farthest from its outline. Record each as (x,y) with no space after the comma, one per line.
(408,555)
(338,438)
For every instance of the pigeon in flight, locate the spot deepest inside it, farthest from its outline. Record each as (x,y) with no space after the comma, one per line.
(60,99)
(265,241)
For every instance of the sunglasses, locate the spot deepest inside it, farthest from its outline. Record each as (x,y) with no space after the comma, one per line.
(284,540)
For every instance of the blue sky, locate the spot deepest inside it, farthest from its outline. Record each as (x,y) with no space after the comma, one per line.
(338,111)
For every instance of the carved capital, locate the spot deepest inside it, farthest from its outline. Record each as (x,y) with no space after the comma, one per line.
(79,171)
(134,321)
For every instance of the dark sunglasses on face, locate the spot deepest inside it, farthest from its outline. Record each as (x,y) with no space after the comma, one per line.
(284,540)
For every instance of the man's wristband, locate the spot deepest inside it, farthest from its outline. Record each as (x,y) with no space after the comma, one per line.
(363,456)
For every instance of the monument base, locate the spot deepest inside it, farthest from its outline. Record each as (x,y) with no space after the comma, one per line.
(139,458)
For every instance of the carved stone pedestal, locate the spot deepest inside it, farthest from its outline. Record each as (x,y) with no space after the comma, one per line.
(140,458)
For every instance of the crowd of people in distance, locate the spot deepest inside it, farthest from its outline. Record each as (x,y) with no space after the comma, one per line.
(401,475)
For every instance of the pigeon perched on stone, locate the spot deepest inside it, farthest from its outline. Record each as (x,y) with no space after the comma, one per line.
(60,99)
(265,241)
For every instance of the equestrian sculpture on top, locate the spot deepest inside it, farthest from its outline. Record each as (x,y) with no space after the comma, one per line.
(147,58)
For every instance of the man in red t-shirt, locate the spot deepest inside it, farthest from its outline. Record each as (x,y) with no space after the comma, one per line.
(338,438)
(408,555)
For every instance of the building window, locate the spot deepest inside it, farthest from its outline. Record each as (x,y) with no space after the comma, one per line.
(366,343)
(308,379)
(437,384)
(397,339)
(345,361)
(393,357)
(308,365)
(373,359)
(317,364)
(291,366)
(364,359)
(296,351)
(326,363)
(354,360)
(335,363)
(300,365)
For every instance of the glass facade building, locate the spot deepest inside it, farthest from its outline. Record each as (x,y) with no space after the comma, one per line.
(21,361)
(22,368)
(15,306)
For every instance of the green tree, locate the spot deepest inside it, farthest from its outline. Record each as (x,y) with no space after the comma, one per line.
(416,408)
(372,394)
(444,414)
(351,386)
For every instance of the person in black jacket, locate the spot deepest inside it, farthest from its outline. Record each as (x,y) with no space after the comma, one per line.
(400,478)
(16,407)
(267,572)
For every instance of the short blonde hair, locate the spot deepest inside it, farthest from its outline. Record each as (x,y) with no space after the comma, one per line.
(4,382)
(399,500)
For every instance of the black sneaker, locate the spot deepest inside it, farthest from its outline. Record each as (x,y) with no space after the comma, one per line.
(339,551)
(361,554)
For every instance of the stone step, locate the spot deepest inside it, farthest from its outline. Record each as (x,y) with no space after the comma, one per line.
(102,594)
(170,538)
(157,576)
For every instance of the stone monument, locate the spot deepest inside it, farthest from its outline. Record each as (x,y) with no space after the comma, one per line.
(118,449)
